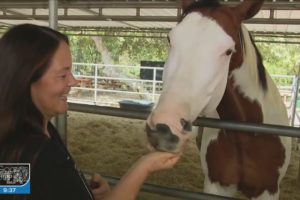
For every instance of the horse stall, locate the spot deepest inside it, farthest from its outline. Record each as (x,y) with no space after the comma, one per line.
(121,136)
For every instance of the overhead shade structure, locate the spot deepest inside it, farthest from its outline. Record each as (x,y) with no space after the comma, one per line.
(276,16)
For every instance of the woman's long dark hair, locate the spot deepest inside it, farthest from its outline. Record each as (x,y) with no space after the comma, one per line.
(25,54)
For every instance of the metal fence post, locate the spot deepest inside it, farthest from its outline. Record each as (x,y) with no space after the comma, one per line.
(294,99)
(95,84)
(295,110)
(154,84)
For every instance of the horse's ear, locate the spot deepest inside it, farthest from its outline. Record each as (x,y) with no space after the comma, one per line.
(186,3)
(248,9)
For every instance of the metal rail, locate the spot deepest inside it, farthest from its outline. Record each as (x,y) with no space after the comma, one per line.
(204,122)
(172,192)
(282,5)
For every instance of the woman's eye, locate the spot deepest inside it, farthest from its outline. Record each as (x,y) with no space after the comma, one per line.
(63,76)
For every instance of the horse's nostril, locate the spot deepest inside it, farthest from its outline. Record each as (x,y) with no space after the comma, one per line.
(162,138)
(186,125)
(148,129)
(163,128)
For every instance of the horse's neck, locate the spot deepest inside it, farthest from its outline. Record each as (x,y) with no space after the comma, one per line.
(235,106)
(242,90)
(244,98)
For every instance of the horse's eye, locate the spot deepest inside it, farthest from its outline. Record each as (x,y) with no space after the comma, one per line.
(229,52)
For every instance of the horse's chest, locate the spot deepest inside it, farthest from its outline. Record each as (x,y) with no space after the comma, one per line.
(249,161)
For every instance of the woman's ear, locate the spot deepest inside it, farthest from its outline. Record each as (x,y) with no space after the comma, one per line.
(248,9)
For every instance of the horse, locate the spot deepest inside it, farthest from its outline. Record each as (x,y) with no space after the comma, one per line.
(214,69)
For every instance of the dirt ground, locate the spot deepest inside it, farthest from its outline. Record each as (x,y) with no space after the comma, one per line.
(109,145)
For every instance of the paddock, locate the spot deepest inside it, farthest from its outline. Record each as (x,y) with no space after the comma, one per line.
(109,145)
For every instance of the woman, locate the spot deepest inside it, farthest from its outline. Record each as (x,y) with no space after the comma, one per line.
(35,79)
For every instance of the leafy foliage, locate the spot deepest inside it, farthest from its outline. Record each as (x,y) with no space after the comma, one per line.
(134,49)
(123,50)
(278,58)
(84,50)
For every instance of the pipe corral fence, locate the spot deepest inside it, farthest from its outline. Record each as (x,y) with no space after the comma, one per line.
(98,80)
(202,122)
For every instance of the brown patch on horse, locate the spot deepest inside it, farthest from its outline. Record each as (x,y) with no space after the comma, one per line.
(234,106)
(262,155)
(249,160)
(223,160)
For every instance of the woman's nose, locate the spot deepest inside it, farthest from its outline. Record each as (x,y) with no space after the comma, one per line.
(72,81)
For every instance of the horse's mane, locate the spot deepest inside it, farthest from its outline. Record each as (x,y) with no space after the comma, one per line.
(211,4)
(260,66)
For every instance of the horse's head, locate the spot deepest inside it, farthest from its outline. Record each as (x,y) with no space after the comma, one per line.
(205,46)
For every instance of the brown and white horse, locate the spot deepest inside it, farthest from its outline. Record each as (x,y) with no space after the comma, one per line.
(215,70)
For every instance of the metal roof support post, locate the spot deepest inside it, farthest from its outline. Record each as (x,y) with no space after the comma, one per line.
(53,9)
(295,110)
(60,121)
(295,95)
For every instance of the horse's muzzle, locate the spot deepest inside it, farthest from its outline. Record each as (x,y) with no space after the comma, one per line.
(162,138)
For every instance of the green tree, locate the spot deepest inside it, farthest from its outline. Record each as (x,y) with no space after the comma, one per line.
(280,58)
(123,50)
(83,49)
(134,49)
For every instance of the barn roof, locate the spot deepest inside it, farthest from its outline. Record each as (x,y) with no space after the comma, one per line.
(117,17)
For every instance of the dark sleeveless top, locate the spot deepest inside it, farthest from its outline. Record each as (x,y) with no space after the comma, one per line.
(54,175)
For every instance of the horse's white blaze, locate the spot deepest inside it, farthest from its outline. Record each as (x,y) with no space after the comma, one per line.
(198,45)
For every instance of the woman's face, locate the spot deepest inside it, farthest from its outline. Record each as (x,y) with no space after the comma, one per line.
(49,93)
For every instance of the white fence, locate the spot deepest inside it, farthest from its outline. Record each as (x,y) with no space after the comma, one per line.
(101,84)
(107,85)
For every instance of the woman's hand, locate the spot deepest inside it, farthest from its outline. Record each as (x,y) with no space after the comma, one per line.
(99,186)
(156,161)
(129,185)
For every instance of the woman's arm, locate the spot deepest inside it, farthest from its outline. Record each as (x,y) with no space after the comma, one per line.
(129,185)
